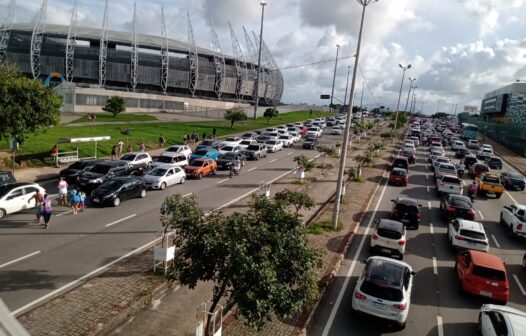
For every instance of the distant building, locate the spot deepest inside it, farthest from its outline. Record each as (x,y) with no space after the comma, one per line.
(508,103)
(471,109)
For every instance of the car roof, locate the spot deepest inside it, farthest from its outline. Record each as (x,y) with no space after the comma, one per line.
(486,259)
(470,225)
(14,185)
(391,225)
(136,153)
(125,178)
(167,166)
(406,200)
(516,318)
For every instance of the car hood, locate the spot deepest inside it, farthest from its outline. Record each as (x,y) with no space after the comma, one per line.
(102,191)
(69,172)
(193,167)
(91,175)
(151,178)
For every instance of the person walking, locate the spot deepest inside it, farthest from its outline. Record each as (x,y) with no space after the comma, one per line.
(62,191)
(129,149)
(142,147)
(214,133)
(120,144)
(82,203)
(74,201)
(39,199)
(47,210)
(161,141)
(114,152)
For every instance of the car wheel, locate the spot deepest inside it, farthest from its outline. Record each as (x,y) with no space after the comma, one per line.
(200,176)
(213,171)
(116,202)
(401,326)
(510,231)
(401,257)
(499,195)
(2,213)
(522,189)
(501,221)
(143,193)
(257,157)
(524,262)
(182,180)
(163,186)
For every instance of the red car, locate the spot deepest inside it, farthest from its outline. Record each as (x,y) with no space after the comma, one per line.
(482,274)
(478,169)
(399,176)
(410,155)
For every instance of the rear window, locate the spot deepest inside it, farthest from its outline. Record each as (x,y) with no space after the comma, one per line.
(399,173)
(411,209)
(450,179)
(461,203)
(383,280)
(390,234)
(473,234)
(489,273)
(491,179)
(253,147)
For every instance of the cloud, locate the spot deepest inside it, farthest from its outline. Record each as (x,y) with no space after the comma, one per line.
(488,12)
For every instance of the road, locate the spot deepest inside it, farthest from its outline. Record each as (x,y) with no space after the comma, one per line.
(36,264)
(437,307)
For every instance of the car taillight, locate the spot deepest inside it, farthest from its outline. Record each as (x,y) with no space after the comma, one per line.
(400,306)
(519,227)
(457,237)
(360,296)
(395,211)
(374,237)
(401,242)
(450,209)
(471,212)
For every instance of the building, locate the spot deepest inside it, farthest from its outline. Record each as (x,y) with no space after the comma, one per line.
(471,109)
(507,103)
(153,73)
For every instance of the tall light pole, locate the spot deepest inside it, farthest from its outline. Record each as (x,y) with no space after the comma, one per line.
(346,87)
(413,99)
(361,100)
(404,68)
(334,76)
(411,80)
(263,3)
(346,142)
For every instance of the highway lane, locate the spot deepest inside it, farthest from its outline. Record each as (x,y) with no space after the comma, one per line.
(74,246)
(437,308)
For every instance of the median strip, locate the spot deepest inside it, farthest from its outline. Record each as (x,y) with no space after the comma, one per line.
(121,220)
(19,259)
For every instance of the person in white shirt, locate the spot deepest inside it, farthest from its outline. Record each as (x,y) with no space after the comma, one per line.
(63,191)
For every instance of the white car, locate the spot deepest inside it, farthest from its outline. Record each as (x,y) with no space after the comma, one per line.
(177,159)
(389,238)
(466,234)
(138,159)
(457,145)
(247,142)
(314,131)
(274,145)
(384,289)
(164,176)
(230,149)
(287,140)
(473,144)
(178,149)
(490,147)
(493,319)
(231,141)
(296,136)
(15,197)
(336,130)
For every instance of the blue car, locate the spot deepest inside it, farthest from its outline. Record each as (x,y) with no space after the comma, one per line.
(205,153)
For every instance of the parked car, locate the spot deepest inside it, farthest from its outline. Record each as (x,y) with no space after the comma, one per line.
(205,153)
(309,143)
(388,237)
(164,176)
(484,153)
(469,161)
(72,173)
(482,274)
(467,234)
(314,131)
(513,217)
(118,189)
(103,171)
(139,160)
(384,289)
(494,162)
(445,169)
(201,167)
(14,197)
(224,160)
(247,142)
(410,155)
(478,169)
(249,136)
(512,180)
(287,140)
(274,145)
(400,162)
(208,143)
(495,320)
(456,206)
(407,211)
(177,159)
(398,176)
(337,130)
(178,149)
(457,145)
(255,151)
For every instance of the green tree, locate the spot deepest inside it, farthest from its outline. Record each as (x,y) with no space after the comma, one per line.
(270,113)
(297,199)
(304,162)
(235,114)
(115,105)
(26,105)
(259,260)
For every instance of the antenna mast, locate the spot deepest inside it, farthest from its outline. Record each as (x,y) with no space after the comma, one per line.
(103,49)
(5,30)
(241,65)
(165,59)
(70,45)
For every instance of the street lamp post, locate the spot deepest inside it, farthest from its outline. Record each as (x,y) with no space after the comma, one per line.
(346,138)
(263,3)
(334,76)
(346,87)
(404,68)
(411,80)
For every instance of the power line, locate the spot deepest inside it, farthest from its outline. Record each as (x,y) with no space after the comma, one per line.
(367,85)
(313,63)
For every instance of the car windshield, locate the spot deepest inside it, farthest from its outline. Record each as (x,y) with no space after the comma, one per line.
(230,139)
(461,202)
(450,179)
(472,234)
(495,160)
(491,179)
(227,156)
(253,147)
(227,148)
(112,184)
(271,142)
(100,169)
(399,173)
(246,142)
(284,137)
(158,172)
(407,208)
(489,273)
(128,157)
(201,152)
(164,159)
(172,149)
(383,281)
(197,163)
(482,168)
(515,176)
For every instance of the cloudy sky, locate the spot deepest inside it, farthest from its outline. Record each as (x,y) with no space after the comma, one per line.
(458,49)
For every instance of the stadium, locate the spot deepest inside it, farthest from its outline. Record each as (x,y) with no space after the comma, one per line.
(153,73)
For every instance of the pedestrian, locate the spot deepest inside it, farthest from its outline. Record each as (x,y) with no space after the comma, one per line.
(54,155)
(114,152)
(204,135)
(129,149)
(214,133)
(62,191)
(47,210)
(120,144)
(74,201)
(196,138)
(161,141)
(142,147)
(185,139)
(94,117)
(39,199)
(82,203)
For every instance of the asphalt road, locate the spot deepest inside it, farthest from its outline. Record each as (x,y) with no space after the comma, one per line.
(36,264)
(437,308)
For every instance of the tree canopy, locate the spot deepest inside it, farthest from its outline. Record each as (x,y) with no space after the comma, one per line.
(270,113)
(115,105)
(235,114)
(26,105)
(259,260)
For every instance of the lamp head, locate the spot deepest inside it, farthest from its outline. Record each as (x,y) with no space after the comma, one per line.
(338,46)
(263,2)
(409,66)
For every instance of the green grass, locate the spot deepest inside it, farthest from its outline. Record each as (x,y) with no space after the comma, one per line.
(36,147)
(107,117)
(321,227)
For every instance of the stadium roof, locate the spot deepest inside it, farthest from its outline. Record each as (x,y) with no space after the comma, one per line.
(124,38)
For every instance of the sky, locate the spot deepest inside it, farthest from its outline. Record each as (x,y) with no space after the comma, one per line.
(458,49)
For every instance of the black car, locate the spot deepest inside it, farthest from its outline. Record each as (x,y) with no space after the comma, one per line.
(461,153)
(469,161)
(400,162)
(407,211)
(72,173)
(208,143)
(511,180)
(309,143)
(494,162)
(102,171)
(224,160)
(118,189)
(456,206)
(6,177)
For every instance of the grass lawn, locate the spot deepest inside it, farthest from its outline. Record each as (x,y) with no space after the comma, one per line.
(35,149)
(108,117)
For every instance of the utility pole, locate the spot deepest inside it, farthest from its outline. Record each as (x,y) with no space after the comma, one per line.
(346,87)
(404,68)
(411,80)
(334,76)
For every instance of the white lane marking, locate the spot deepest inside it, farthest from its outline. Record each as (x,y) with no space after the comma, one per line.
(512,199)
(431,228)
(427,176)
(227,179)
(19,259)
(429,205)
(440,326)
(64,213)
(427,167)
(428,190)
(519,284)
(480,214)
(343,289)
(435,269)
(271,161)
(289,154)
(251,169)
(120,220)
(495,241)
(187,195)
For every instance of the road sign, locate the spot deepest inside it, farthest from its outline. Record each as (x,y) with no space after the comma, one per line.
(325,96)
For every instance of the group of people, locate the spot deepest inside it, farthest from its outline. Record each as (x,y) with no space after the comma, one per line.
(43,208)
(116,150)
(92,117)
(189,139)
